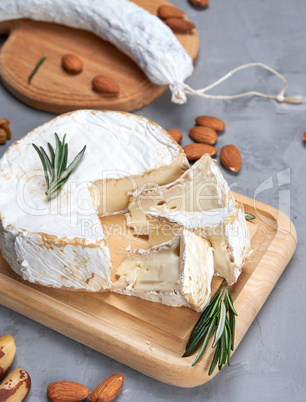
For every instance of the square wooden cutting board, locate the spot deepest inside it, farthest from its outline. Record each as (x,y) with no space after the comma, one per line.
(148,336)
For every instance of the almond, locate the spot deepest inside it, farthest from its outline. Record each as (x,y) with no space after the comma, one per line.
(4,124)
(210,121)
(3,136)
(72,64)
(15,386)
(168,12)
(179,25)
(108,389)
(230,158)
(203,134)
(196,151)
(175,134)
(304,137)
(67,391)
(105,85)
(199,3)
(7,353)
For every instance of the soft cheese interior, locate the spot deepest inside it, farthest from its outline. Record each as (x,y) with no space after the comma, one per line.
(199,189)
(200,200)
(176,273)
(225,228)
(60,242)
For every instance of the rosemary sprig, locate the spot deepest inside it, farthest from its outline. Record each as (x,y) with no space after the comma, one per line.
(249,217)
(55,168)
(215,315)
(39,63)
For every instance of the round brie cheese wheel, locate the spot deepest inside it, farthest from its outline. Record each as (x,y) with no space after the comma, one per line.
(59,242)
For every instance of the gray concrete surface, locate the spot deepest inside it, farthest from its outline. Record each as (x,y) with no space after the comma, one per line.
(269,364)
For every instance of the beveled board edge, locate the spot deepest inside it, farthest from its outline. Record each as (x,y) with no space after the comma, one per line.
(174,371)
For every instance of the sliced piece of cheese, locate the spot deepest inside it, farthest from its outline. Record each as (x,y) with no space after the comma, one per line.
(60,242)
(199,189)
(225,228)
(177,273)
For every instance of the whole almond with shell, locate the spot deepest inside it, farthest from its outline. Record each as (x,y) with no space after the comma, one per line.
(67,391)
(72,64)
(105,85)
(175,134)
(179,25)
(205,135)
(108,389)
(212,122)
(230,158)
(196,151)
(168,12)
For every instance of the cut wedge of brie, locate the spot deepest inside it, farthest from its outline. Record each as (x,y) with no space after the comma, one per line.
(199,189)
(225,228)
(60,242)
(176,273)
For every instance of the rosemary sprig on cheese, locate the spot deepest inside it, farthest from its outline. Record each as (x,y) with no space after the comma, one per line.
(55,168)
(215,316)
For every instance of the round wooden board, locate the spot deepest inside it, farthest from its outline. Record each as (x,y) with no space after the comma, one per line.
(52,89)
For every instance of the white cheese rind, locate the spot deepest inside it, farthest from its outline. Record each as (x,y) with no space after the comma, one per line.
(176,273)
(201,188)
(225,228)
(133,30)
(118,145)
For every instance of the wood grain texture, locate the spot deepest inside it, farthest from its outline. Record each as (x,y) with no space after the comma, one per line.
(54,90)
(147,336)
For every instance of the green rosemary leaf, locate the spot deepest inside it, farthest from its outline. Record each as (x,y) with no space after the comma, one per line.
(205,342)
(40,62)
(196,341)
(62,156)
(65,157)
(44,165)
(221,324)
(214,310)
(226,337)
(47,160)
(215,359)
(229,341)
(230,303)
(73,164)
(232,326)
(57,156)
(197,328)
(222,353)
(52,154)
(249,217)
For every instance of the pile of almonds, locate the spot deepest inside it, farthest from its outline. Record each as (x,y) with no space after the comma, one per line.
(70,391)
(104,85)
(175,19)
(205,135)
(5,132)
